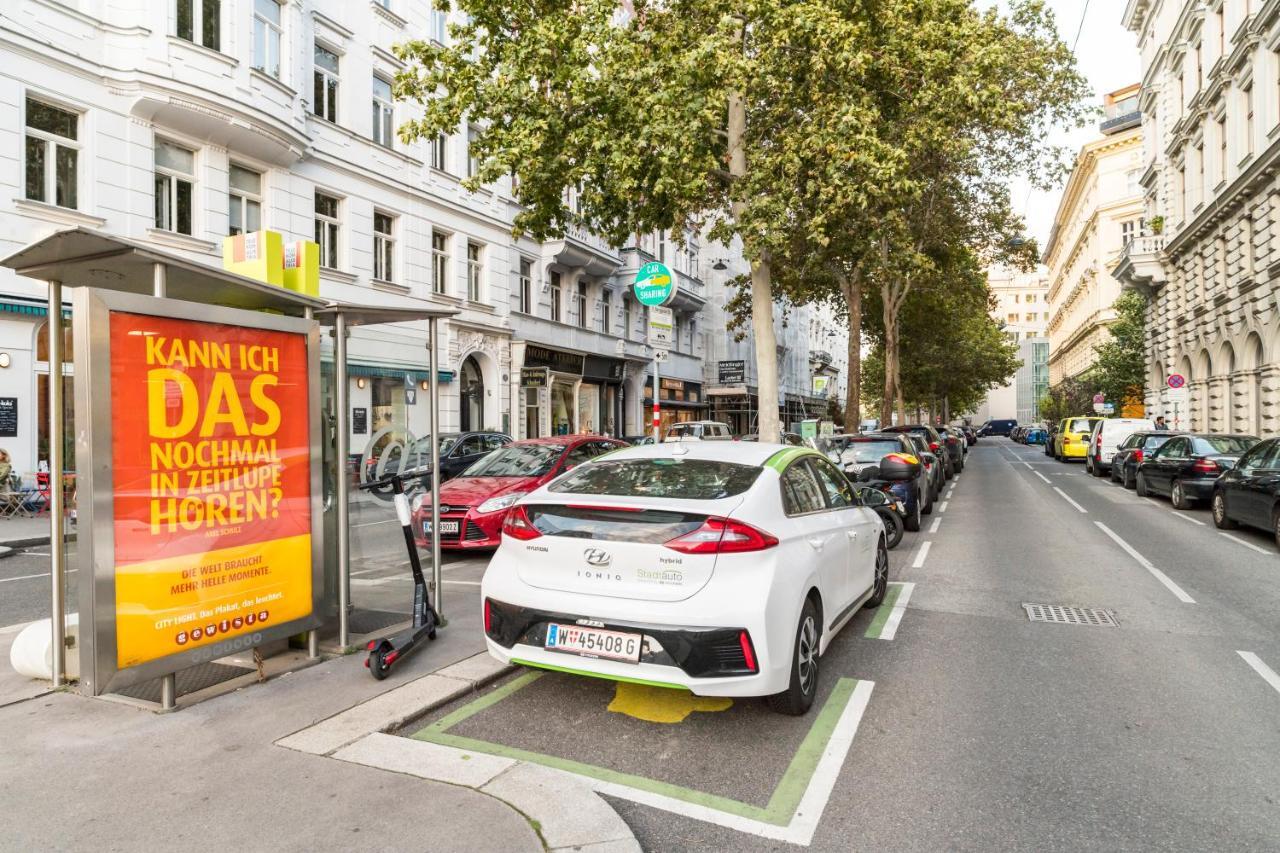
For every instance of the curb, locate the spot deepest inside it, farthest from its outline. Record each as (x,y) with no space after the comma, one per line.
(32,541)
(6,551)
(567,813)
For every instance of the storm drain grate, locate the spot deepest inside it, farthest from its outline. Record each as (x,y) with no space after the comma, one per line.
(364,621)
(188,680)
(1064,615)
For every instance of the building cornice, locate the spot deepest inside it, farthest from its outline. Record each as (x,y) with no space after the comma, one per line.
(1086,165)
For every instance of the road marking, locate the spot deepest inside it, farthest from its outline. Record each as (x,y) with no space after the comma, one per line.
(38,553)
(1068,499)
(371,523)
(1146,564)
(1268,674)
(29,577)
(921,555)
(1042,477)
(899,607)
(933,528)
(1028,464)
(951,492)
(1186,517)
(942,507)
(463,583)
(1240,541)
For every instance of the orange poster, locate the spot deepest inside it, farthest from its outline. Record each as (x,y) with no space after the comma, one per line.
(212,466)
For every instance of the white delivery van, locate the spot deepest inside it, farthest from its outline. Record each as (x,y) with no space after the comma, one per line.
(1108,435)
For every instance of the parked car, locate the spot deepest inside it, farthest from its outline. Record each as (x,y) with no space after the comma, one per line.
(933,441)
(1072,440)
(1249,493)
(699,431)
(859,456)
(933,468)
(1129,455)
(792,438)
(1051,439)
(970,434)
(1001,426)
(956,446)
(1186,467)
(1107,437)
(474,504)
(1016,434)
(607,571)
(458,452)
(638,440)
(1035,435)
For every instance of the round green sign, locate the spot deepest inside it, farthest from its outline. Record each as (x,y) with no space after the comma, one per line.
(655,285)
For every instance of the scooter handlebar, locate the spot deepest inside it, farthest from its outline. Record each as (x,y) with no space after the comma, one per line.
(393,479)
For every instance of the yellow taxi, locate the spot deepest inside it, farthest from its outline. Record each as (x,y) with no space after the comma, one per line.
(1072,439)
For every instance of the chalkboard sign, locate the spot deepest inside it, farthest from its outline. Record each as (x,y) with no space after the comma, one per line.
(360,421)
(8,417)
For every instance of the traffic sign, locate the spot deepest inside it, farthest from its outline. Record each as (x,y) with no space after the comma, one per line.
(1179,395)
(654,285)
(1099,399)
(661,325)
(1177,380)
(659,355)
(1108,408)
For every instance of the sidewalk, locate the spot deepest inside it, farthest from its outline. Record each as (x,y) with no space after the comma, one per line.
(25,531)
(80,773)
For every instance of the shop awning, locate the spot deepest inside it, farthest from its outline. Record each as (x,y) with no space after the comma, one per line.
(727,391)
(381,371)
(676,404)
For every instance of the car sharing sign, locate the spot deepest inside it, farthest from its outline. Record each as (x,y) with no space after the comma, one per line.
(654,284)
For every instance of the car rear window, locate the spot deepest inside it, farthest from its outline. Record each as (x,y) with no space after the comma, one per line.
(1222,444)
(1151,442)
(873,451)
(582,522)
(517,460)
(1081,425)
(687,479)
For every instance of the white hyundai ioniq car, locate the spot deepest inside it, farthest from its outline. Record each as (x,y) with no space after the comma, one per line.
(721,567)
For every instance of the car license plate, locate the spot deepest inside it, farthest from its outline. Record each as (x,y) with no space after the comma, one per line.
(593,642)
(445,527)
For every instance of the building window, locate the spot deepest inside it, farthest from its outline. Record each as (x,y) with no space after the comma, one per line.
(200,22)
(175,183)
(526,286)
(325,100)
(1222,148)
(1199,67)
(1248,119)
(439,262)
(475,272)
(473,163)
(1031,298)
(1201,185)
(383,113)
(582,304)
(439,24)
(606,312)
(266,37)
(244,200)
(626,316)
(439,150)
(327,229)
(1221,279)
(555,296)
(52,154)
(1012,318)
(1128,230)
(1132,179)
(1246,248)
(384,246)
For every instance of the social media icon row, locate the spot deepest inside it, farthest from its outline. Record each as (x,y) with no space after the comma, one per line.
(213,629)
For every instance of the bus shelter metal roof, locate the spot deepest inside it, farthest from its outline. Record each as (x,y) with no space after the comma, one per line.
(82,257)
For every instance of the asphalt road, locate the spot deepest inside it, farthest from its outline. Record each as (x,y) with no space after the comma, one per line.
(985,731)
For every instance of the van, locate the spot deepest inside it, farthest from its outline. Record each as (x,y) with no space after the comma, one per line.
(1072,438)
(1107,436)
(998,427)
(699,431)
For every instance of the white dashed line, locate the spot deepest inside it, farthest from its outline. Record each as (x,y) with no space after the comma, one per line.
(890,629)
(1028,464)
(1146,564)
(1042,476)
(1268,674)
(1186,517)
(942,507)
(1069,500)
(933,528)
(921,555)
(1240,541)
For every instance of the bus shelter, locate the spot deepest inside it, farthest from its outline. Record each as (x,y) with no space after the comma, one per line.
(168,349)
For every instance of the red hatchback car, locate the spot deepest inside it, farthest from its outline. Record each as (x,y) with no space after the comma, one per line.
(474,504)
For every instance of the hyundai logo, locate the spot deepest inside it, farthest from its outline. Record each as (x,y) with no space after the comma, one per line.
(597,557)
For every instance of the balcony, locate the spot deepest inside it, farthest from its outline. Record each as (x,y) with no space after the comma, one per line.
(1141,264)
(582,249)
(1115,124)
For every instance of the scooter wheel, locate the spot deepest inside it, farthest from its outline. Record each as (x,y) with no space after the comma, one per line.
(378,666)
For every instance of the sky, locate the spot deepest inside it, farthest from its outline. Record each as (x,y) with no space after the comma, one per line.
(1107,55)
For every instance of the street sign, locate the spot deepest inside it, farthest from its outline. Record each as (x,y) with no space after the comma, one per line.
(661,326)
(660,355)
(1108,408)
(732,372)
(1177,380)
(654,285)
(1099,399)
(1179,395)
(1099,408)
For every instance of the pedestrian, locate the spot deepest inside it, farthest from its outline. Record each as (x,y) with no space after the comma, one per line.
(1161,425)
(6,469)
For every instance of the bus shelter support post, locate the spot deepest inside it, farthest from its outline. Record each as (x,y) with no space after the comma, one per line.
(58,548)
(436,579)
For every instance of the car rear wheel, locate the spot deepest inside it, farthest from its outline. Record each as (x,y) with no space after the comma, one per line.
(1115,475)
(1126,480)
(1275,525)
(1088,466)
(1178,496)
(797,699)
(881,586)
(1221,520)
(912,521)
(1140,485)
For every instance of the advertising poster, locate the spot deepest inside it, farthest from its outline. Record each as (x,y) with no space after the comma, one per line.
(211,463)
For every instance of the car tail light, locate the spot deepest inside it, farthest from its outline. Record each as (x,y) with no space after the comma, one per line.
(1137,455)
(933,445)
(518,526)
(1206,466)
(748,651)
(722,536)
(488,616)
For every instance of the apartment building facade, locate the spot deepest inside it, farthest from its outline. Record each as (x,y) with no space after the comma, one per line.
(1022,310)
(1211,121)
(1100,211)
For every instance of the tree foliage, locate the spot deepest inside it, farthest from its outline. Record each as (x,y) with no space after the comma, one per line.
(1069,398)
(1120,370)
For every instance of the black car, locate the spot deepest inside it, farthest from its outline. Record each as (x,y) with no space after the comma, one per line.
(1250,492)
(1051,435)
(859,456)
(458,452)
(957,446)
(1135,448)
(1186,467)
(932,465)
(997,427)
(934,442)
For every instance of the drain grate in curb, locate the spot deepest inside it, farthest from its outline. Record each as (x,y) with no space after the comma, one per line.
(1064,615)
(189,680)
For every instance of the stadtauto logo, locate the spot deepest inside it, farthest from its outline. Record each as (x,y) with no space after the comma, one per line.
(665,577)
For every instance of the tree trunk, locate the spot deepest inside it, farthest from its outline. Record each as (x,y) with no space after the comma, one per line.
(852,290)
(769,426)
(891,394)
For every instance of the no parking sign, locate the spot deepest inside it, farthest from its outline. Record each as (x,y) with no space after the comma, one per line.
(1177,380)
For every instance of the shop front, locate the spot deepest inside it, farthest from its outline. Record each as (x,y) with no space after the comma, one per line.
(566,393)
(681,401)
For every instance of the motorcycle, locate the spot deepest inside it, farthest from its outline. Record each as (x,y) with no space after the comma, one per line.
(891,510)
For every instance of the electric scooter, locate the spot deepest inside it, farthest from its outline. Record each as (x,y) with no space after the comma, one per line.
(385,652)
